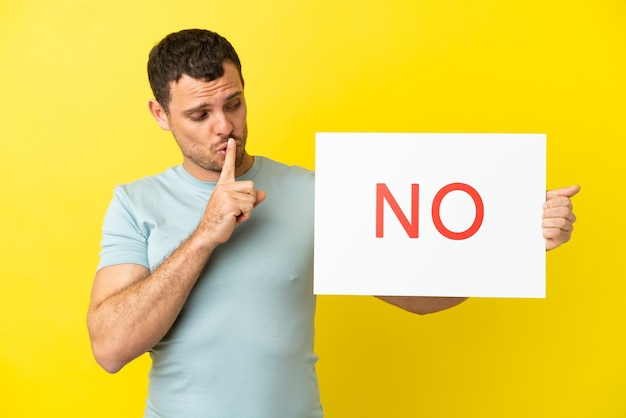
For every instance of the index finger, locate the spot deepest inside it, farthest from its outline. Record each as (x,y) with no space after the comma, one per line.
(228,169)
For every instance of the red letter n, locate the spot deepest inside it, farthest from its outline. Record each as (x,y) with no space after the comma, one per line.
(382,194)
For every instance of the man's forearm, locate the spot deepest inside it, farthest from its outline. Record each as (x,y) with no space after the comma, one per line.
(131,320)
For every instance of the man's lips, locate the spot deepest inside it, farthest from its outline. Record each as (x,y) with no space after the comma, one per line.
(221,149)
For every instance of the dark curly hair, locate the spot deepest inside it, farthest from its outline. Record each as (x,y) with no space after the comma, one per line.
(197,53)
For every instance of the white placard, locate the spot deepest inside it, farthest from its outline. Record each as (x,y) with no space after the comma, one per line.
(430,214)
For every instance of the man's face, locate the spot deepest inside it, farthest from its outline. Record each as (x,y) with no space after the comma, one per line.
(202,116)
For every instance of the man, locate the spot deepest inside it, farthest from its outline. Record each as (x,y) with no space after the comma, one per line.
(208,266)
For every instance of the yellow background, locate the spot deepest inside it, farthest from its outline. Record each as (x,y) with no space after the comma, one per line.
(74,123)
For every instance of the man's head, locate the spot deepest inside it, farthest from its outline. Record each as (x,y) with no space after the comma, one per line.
(196,80)
(198,53)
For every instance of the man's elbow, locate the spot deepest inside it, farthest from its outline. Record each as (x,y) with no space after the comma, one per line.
(420,310)
(109,352)
(423,305)
(107,357)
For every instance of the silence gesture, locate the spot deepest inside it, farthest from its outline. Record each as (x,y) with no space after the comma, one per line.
(231,202)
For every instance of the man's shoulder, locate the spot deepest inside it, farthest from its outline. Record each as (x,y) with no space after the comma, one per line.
(151,187)
(268,165)
(170,175)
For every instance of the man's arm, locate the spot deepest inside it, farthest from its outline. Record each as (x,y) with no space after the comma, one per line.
(557,227)
(131,309)
(422,305)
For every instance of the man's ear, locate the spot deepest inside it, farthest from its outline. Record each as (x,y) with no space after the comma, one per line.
(158,113)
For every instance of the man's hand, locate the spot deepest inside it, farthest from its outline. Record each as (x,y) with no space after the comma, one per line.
(231,202)
(558,217)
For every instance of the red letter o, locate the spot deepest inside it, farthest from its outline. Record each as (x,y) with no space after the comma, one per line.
(478,202)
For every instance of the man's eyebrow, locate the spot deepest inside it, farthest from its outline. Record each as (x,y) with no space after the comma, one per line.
(205,105)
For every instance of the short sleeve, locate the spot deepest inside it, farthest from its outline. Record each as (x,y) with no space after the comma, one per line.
(123,241)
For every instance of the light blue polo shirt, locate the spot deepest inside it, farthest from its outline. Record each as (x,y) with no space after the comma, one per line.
(243,344)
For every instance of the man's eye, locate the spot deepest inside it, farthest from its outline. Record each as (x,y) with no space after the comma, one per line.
(198,117)
(233,106)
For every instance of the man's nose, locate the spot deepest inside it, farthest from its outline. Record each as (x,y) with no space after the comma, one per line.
(222,126)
